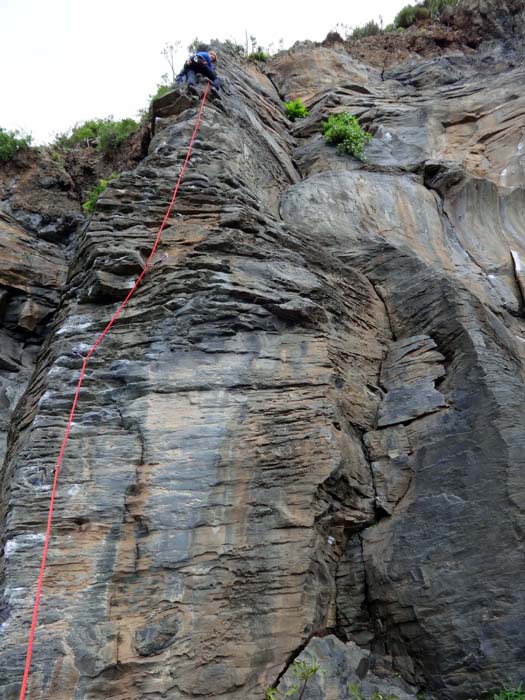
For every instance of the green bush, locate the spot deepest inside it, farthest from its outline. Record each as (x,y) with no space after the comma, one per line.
(369,29)
(259,55)
(343,130)
(421,13)
(106,133)
(423,10)
(295,110)
(406,17)
(161,90)
(436,7)
(94,194)
(58,158)
(11,142)
(112,134)
(510,694)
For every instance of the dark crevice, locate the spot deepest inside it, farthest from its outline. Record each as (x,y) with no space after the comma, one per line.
(380,513)
(367,601)
(270,78)
(366,454)
(380,294)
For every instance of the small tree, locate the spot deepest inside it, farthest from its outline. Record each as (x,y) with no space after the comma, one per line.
(169,51)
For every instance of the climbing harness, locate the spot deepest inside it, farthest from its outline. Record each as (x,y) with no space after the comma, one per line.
(75,400)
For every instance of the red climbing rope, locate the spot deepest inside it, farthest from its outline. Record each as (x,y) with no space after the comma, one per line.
(75,400)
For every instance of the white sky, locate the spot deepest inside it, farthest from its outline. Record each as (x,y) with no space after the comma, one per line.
(65,61)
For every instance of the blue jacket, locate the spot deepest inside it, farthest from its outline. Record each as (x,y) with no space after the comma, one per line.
(206,56)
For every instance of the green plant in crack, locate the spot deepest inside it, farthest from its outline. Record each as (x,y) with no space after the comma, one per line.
(355,693)
(510,693)
(94,194)
(343,130)
(302,671)
(295,110)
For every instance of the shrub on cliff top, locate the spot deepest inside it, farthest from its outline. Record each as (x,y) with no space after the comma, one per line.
(405,17)
(371,28)
(106,134)
(11,142)
(436,7)
(423,10)
(344,131)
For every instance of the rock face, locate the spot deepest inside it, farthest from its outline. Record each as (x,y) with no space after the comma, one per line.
(504,20)
(32,275)
(303,438)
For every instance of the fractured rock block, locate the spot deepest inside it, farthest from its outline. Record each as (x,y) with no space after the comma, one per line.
(390,451)
(104,286)
(31,314)
(405,404)
(342,668)
(353,613)
(171,104)
(10,353)
(408,374)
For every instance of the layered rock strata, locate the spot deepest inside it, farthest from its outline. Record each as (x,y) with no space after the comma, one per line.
(303,437)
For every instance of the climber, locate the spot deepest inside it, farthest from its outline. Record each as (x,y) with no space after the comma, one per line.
(199,63)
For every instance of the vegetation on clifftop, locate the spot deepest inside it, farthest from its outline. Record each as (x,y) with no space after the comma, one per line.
(11,142)
(428,9)
(406,17)
(105,134)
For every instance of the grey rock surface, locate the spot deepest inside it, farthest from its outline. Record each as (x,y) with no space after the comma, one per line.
(345,672)
(304,436)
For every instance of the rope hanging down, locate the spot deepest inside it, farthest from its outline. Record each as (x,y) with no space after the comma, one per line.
(75,400)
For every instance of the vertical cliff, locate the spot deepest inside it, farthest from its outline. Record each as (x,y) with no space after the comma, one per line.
(304,436)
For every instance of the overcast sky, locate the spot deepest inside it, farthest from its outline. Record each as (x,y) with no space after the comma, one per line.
(65,61)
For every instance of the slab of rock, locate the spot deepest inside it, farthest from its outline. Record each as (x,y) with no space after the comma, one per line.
(389,451)
(408,374)
(343,672)
(171,104)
